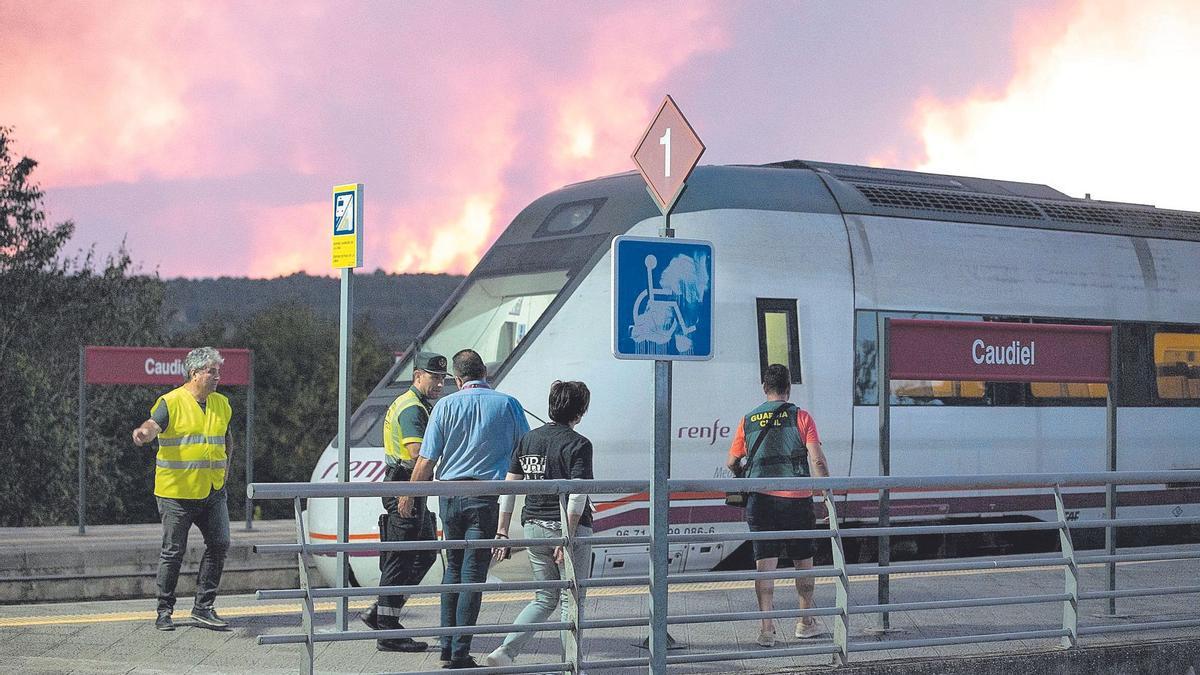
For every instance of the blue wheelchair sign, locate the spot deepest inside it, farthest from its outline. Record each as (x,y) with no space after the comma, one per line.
(662,299)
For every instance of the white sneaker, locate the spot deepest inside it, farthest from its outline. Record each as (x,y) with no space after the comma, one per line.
(808,630)
(499,657)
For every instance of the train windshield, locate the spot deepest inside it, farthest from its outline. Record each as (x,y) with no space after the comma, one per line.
(492,317)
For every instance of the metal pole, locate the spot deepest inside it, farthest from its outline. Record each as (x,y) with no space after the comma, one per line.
(660,504)
(249,446)
(343,510)
(1110,490)
(82,494)
(885,469)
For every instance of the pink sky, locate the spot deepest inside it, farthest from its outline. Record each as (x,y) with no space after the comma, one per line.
(208,135)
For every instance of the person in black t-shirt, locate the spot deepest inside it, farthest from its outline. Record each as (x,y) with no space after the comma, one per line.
(554,451)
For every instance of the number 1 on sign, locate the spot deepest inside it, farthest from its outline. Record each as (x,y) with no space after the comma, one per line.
(665,141)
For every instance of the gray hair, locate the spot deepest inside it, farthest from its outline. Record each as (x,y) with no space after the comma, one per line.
(201,358)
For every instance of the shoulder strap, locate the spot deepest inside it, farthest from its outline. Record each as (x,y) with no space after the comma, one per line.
(761,437)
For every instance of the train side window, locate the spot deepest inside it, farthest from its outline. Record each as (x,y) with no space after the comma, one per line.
(1058,391)
(1177,365)
(778,335)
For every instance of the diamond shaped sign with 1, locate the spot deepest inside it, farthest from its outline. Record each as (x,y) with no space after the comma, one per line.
(667,153)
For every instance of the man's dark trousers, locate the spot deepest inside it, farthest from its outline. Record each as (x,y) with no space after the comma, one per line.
(403,568)
(465,518)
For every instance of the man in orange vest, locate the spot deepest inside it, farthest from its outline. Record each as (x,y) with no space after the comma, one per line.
(190,423)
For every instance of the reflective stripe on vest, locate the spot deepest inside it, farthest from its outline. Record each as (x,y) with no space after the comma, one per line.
(781,454)
(191,465)
(191,458)
(393,435)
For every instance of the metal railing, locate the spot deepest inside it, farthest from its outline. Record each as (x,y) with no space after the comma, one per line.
(840,647)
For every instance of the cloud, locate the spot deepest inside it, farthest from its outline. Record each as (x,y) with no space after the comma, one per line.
(454,117)
(1101,103)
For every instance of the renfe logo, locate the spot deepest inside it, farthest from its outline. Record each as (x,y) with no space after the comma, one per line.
(1013,354)
(154,367)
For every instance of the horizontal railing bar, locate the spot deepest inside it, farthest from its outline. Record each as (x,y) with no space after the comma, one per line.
(707,618)
(858,570)
(769,653)
(957,604)
(424,545)
(717,485)
(613,582)
(1139,592)
(1130,627)
(1130,522)
(348,636)
(946,529)
(418,589)
(497,670)
(717,577)
(955,640)
(605,665)
(1138,557)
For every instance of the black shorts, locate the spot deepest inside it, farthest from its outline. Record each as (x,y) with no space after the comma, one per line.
(768,513)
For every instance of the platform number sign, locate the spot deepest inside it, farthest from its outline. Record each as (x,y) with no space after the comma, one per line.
(667,153)
(347,225)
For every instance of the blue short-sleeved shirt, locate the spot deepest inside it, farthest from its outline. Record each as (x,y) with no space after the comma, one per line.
(472,433)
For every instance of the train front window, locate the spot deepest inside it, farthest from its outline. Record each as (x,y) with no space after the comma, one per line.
(492,317)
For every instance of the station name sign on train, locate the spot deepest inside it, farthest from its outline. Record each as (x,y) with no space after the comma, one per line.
(998,351)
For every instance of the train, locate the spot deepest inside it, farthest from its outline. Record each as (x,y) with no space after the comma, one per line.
(809,258)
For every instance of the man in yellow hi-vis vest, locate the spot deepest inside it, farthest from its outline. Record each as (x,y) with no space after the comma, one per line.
(191,423)
(403,432)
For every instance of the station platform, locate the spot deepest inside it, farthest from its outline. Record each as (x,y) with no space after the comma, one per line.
(119,636)
(43,564)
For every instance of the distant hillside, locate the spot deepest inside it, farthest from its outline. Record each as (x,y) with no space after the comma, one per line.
(397,305)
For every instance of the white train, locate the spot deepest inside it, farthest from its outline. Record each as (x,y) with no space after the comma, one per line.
(808,257)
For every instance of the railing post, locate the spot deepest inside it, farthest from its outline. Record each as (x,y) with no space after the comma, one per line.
(572,638)
(841,626)
(306,606)
(1070,574)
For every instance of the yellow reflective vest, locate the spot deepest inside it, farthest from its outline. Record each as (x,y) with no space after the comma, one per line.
(395,438)
(191,450)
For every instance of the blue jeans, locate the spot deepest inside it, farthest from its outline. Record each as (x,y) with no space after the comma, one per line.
(465,518)
(541,559)
(211,515)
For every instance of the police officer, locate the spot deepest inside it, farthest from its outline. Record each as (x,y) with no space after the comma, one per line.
(190,423)
(403,431)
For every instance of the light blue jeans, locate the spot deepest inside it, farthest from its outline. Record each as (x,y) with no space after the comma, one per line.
(541,559)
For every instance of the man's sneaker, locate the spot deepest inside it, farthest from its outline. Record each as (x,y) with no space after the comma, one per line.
(207,616)
(371,617)
(766,639)
(464,662)
(163,622)
(401,645)
(809,628)
(499,658)
(445,656)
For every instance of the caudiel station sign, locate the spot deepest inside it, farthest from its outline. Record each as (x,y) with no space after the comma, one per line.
(997,351)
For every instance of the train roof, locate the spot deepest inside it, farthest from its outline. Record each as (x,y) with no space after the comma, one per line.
(824,187)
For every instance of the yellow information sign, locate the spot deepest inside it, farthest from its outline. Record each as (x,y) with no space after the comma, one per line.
(347,225)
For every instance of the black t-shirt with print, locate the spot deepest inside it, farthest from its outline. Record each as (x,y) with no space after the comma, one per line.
(551,452)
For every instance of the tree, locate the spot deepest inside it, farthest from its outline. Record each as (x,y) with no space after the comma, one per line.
(50,306)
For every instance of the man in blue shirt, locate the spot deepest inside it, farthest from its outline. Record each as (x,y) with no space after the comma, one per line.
(471,435)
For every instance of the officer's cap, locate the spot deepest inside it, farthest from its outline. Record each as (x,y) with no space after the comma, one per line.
(434,364)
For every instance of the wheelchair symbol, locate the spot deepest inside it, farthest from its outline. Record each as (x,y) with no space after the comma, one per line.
(657,319)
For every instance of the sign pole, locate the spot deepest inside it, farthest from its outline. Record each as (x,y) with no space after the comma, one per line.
(347,254)
(1110,490)
(82,441)
(249,444)
(343,511)
(885,469)
(660,503)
